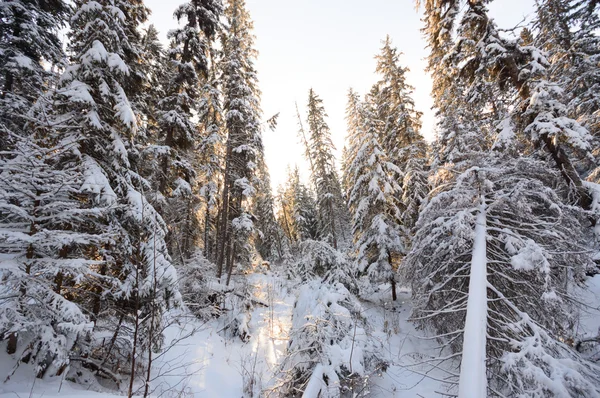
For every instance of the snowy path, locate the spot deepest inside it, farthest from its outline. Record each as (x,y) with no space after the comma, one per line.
(269,326)
(204,364)
(403,348)
(220,367)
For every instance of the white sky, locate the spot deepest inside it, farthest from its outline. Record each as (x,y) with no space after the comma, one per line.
(330,45)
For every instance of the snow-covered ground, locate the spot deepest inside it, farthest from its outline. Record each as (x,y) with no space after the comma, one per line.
(203,364)
(589,321)
(220,367)
(206,364)
(408,375)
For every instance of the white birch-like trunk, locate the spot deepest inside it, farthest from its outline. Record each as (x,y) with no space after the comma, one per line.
(473,379)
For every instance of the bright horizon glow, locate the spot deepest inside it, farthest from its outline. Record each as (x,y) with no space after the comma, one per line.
(330,45)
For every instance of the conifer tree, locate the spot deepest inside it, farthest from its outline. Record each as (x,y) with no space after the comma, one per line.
(29,37)
(212,156)
(305,210)
(567,33)
(394,104)
(285,215)
(268,238)
(149,90)
(525,306)
(399,131)
(241,110)
(487,65)
(180,134)
(51,229)
(91,108)
(372,197)
(298,215)
(325,178)
(469,255)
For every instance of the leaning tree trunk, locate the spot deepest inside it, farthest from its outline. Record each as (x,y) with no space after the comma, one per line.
(473,377)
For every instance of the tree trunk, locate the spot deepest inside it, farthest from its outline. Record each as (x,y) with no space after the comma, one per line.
(230,263)
(136,329)
(287,225)
(11,346)
(215,240)
(332,222)
(58,279)
(152,317)
(567,170)
(98,294)
(207,233)
(392,279)
(473,376)
(187,231)
(113,339)
(224,224)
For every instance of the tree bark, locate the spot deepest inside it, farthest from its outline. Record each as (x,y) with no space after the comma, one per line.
(224,224)
(332,223)
(207,232)
(230,262)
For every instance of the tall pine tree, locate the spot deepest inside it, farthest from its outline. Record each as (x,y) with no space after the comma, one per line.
(372,197)
(180,134)
(399,132)
(241,110)
(319,150)
(91,108)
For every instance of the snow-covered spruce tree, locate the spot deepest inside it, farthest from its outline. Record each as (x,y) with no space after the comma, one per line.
(315,259)
(372,197)
(268,239)
(180,134)
(568,35)
(241,109)
(297,213)
(399,131)
(285,211)
(332,210)
(507,222)
(509,66)
(451,258)
(584,104)
(212,156)
(29,37)
(394,104)
(51,232)
(91,108)
(452,116)
(305,210)
(149,90)
(567,32)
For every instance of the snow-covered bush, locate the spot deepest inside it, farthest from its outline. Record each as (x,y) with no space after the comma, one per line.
(201,292)
(319,259)
(330,352)
(207,298)
(236,311)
